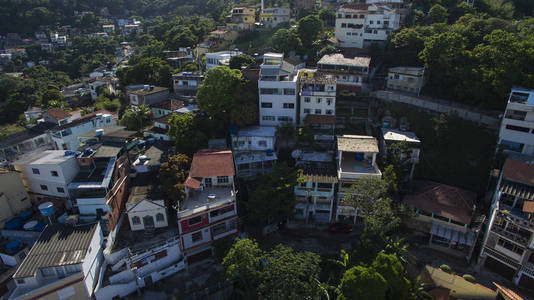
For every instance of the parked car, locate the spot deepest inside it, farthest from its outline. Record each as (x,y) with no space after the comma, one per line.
(340,228)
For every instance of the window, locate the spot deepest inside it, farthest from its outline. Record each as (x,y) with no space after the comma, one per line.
(375,31)
(267,118)
(47,272)
(197,236)
(307,99)
(221,211)
(36,171)
(219,228)
(339,15)
(378,22)
(318,111)
(371,22)
(44,187)
(362,16)
(329,112)
(515,114)
(54,173)
(306,110)
(231,225)
(60,190)
(160,217)
(222,179)
(517,128)
(289,105)
(289,91)
(266,91)
(136,220)
(386,23)
(71,269)
(262,143)
(207,182)
(329,101)
(267,104)
(348,33)
(319,100)
(510,246)
(194,220)
(285,119)
(348,16)
(343,25)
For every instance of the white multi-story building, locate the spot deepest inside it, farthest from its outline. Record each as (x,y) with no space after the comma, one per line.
(253,150)
(221,58)
(317,94)
(64,263)
(517,126)
(277,90)
(65,137)
(356,158)
(48,173)
(273,16)
(360,25)
(209,211)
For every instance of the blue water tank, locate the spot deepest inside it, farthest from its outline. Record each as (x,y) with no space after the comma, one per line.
(47,209)
(13,246)
(385,124)
(13,224)
(25,215)
(359,156)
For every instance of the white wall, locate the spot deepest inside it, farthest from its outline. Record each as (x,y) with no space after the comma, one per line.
(313,105)
(71,140)
(277,101)
(188,241)
(88,206)
(252,143)
(146,208)
(93,260)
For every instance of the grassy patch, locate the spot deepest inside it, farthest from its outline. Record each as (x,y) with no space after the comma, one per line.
(10,129)
(454,151)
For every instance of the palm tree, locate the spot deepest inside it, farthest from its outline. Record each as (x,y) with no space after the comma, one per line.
(399,247)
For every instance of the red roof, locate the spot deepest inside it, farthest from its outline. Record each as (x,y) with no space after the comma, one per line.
(443,200)
(321,119)
(58,113)
(193,182)
(518,170)
(212,162)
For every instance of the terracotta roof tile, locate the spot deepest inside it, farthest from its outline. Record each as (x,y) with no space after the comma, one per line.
(212,162)
(58,113)
(519,170)
(443,200)
(321,119)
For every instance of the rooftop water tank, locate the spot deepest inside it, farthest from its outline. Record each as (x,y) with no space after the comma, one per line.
(47,209)
(143,159)
(13,224)
(13,246)
(30,225)
(99,132)
(211,197)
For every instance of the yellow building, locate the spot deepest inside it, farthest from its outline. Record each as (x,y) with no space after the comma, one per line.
(13,195)
(242,18)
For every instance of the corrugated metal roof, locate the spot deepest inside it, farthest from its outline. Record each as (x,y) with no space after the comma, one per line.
(58,245)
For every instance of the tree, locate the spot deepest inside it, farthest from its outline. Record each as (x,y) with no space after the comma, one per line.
(391,268)
(328,16)
(286,135)
(280,273)
(220,96)
(183,37)
(286,40)
(288,274)
(390,177)
(240,61)
(363,283)
(273,199)
(136,118)
(242,264)
(437,14)
(172,175)
(369,196)
(148,70)
(309,28)
(183,130)
(51,95)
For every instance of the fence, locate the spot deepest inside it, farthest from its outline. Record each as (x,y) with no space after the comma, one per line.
(483,118)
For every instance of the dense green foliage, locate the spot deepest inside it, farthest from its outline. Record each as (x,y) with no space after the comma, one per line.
(280,273)
(172,175)
(474,59)
(136,118)
(183,129)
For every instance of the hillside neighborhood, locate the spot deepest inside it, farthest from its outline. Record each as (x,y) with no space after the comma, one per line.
(267,149)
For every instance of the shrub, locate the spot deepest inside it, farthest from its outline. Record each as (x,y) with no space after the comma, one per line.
(445,268)
(469,278)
